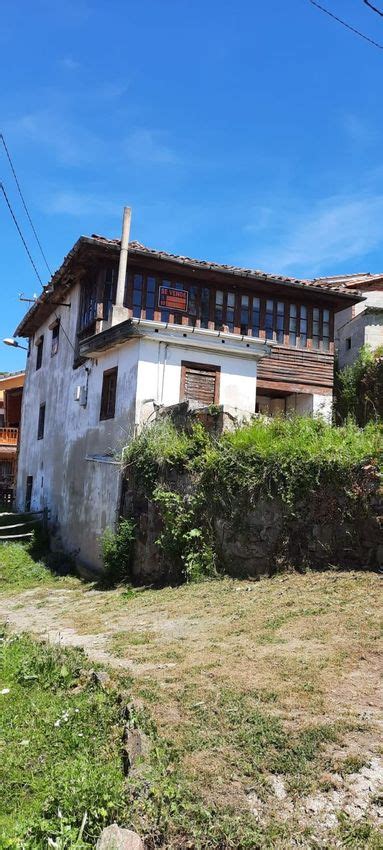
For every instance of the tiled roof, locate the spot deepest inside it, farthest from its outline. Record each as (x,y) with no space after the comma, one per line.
(350,281)
(62,279)
(137,248)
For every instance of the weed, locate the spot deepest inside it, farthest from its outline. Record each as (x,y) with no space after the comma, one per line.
(117,552)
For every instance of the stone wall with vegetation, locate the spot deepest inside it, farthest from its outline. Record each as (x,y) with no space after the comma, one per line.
(269,496)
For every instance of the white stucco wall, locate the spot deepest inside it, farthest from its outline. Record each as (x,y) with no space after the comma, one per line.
(72,475)
(82,495)
(361,326)
(159,375)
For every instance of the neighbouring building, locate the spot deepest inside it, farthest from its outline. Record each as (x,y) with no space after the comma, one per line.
(110,344)
(361,323)
(11,391)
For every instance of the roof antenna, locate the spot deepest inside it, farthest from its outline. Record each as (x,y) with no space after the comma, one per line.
(120,293)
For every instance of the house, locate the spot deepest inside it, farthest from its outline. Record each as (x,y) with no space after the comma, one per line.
(361,323)
(11,391)
(122,329)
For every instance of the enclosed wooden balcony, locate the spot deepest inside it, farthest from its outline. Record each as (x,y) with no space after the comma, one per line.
(9,436)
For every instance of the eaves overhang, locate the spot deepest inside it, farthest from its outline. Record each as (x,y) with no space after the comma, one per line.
(177,335)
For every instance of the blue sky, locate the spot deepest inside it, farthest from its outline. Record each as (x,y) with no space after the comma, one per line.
(247,133)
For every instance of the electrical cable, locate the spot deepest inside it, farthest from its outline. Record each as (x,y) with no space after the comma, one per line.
(345,24)
(373,8)
(31,259)
(24,204)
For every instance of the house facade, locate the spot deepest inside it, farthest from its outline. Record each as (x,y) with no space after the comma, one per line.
(11,391)
(104,355)
(361,323)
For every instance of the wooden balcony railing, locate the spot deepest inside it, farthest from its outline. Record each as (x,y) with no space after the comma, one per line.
(9,436)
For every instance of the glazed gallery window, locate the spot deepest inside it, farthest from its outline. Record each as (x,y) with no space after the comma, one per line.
(108,395)
(230,310)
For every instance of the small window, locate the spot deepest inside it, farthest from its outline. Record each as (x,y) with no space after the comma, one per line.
(348,343)
(41,425)
(108,395)
(39,355)
(200,382)
(28,493)
(55,338)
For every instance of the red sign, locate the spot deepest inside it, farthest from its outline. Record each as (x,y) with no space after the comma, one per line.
(173,299)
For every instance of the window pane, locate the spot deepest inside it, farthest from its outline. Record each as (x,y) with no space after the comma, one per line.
(218,317)
(205,307)
(244,314)
(192,301)
(137,295)
(303,327)
(255,316)
(165,313)
(230,311)
(269,319)
(293,324)
(280,321)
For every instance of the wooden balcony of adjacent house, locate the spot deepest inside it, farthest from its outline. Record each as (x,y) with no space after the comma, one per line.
(9,437)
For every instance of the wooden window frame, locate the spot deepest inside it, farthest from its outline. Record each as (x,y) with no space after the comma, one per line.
(206,367)
(105,412)
(39,353)
(28,493)
(55,341)
(41,421)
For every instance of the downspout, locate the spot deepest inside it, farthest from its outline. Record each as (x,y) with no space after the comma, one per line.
(120,291)
(163,372)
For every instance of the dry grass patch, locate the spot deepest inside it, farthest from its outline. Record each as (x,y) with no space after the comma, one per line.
(263,688)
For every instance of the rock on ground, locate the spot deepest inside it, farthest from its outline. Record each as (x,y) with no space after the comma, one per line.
(114,837)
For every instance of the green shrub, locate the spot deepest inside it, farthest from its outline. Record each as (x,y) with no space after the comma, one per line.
(117,552)
(359,388)
(195,479)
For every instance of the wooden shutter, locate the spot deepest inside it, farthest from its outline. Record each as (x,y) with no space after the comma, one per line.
(200,383)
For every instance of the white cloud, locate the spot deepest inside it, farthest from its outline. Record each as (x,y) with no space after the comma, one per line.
(148,146)
(69,63)
(76,203)
(338,230)
(70,144)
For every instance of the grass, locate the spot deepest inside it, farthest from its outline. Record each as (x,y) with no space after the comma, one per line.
(19,571)
(60,753)
(234,683)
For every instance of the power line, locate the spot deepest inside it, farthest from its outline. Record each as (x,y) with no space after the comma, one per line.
(24,203)
(374,8)
(32,260)
(348,26)
(20,234)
